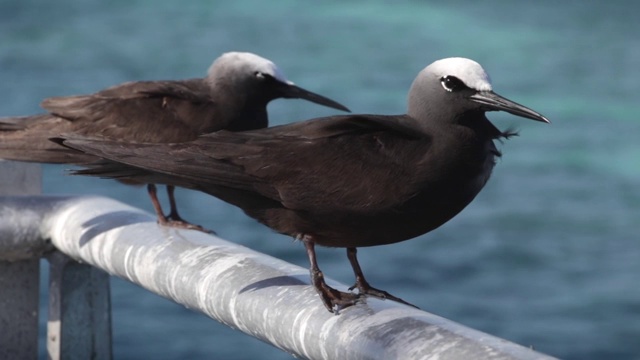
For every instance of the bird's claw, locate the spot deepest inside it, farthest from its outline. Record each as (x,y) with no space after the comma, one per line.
(178,223)
(335,300)
(366,289)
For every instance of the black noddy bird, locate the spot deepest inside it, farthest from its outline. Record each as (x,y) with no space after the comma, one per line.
(342,181)
(233,96)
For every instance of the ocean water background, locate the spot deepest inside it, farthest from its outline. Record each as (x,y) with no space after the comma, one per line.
(548,255)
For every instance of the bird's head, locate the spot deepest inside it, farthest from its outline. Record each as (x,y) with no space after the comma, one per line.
(450,88)
(253,75)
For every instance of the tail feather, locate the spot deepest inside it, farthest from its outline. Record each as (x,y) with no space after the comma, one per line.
(26,138)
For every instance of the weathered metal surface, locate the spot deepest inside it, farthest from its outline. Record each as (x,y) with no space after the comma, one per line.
(20,277)
(79,324)
(262,296)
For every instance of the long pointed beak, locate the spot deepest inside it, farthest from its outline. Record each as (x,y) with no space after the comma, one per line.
(291,91)
(495,102)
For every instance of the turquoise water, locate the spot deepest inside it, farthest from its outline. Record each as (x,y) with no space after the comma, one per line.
(548,255)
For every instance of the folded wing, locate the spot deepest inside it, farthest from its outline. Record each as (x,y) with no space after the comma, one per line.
(302,165)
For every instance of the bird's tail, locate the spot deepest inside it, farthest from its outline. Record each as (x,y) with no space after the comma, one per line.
(26,138)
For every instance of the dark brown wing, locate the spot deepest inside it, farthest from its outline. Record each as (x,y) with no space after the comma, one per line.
(307,165)
(144,111)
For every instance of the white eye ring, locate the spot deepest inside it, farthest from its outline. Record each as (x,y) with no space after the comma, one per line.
(259,75)
(451,83)
(444,85)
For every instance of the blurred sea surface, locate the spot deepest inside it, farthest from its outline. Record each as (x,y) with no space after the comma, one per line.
(548,255)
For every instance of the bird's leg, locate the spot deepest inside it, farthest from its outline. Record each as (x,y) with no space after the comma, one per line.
(173,213)
(153,194)
(173,220)
(361,283)
(330,297)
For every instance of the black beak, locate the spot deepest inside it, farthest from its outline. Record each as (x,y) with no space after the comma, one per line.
(291,91)
(495,102)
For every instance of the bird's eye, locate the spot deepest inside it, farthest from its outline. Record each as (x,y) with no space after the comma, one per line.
(259,75)
(451,83)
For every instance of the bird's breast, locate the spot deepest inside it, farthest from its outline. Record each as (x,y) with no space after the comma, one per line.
(482,169)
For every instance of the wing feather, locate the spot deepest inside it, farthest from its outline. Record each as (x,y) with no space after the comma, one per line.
(289,164)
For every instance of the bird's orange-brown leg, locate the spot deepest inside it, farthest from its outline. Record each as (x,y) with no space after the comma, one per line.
(153,194)
(331,298)
(173,220)
(173,213)
(363,286)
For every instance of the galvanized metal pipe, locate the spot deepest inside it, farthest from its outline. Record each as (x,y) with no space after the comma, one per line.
(19,272)
(257,294)
(79,324)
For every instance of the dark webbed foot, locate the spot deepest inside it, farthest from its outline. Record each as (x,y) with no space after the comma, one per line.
(366,289)
(182,224)
(334,300)
(363,286)
(173,220)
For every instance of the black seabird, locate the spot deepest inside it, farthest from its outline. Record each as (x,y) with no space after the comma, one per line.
(233,96)
(342,181)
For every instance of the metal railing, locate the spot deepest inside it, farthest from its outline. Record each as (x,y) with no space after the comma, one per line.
(85,238)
